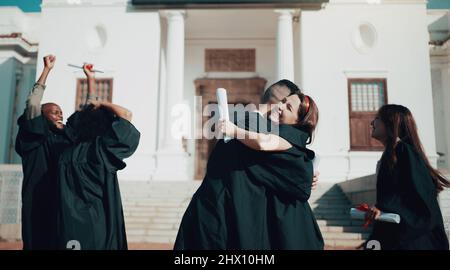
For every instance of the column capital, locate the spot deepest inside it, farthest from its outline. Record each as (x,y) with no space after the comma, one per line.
(173,14)
(285,12)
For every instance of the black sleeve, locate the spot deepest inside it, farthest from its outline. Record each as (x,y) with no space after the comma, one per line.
(297,138)
(253,121)
(120,142)
(32,133)
(288,173)
(414,199)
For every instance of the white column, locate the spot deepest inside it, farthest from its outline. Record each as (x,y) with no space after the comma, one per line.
(175,72)
(171,159)
(285,45)
(446,100)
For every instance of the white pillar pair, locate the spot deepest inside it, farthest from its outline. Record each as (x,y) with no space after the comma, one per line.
(171,159)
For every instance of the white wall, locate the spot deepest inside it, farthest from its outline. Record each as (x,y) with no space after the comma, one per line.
(130,56)
(328,58)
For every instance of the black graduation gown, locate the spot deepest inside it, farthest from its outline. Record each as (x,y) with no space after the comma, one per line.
(410,192)
(90,207)
(39,149)
(253,200)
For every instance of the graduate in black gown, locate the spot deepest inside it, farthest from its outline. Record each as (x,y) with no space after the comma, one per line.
(406,185)
(255,191)
(41,139)
(89,203)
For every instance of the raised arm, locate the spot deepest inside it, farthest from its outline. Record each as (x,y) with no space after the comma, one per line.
(115,109)
(33,103)
(92,87)
(254,140)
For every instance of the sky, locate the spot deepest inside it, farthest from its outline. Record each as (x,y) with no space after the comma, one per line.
(25,5)
(444,4)
(34,5)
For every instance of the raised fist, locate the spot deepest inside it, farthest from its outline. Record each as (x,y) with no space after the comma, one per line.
(49,61)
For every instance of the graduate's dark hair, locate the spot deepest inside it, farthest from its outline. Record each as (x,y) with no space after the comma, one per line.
(268,94)
(92,123)
(308,115)
(399,123)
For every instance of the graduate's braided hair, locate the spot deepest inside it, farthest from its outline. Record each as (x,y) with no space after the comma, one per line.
(399,123)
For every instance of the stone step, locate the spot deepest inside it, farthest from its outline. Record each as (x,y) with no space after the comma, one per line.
(152,220)
(343,243)
(347,243)
(151,198)
(339,199)
(172,231)
(146,202)
(160,209)
(325,203)
(149,225)
(332,216)
(339,222)
(319,209)
(151,239)
(345,236)
(154,214)
(344,229)
(152,232)
(333,198)
(330,206)
(323,211)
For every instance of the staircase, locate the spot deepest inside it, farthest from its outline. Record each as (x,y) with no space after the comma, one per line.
(153,211)
(332,211)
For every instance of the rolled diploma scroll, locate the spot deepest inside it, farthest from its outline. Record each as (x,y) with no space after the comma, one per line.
(223,108)
(386,217)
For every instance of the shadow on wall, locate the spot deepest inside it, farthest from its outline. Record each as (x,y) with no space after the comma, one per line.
(361,190)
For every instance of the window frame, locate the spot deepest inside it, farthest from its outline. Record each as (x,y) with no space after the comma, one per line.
(372,144)
(79,93)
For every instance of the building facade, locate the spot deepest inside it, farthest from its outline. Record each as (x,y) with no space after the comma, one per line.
(351,56)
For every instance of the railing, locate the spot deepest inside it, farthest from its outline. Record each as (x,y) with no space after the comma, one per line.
(10,202)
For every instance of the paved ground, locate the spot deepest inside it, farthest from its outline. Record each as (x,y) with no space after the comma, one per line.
(135,246)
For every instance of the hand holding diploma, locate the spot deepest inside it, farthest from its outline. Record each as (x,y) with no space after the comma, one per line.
(90,67)
(227,128)
(363,212)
